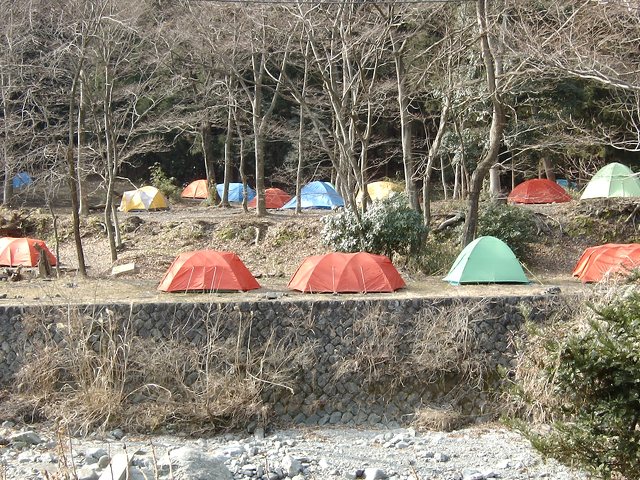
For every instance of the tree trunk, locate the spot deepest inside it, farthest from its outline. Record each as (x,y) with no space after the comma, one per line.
(7,187)
(208,152)
(548,168)
(494,181)
(443,179)
(406,135)
(300,162)
(112,163)
(82,176)
(493,68)
(228,158)
(243,175)
(72,180)
(431,157)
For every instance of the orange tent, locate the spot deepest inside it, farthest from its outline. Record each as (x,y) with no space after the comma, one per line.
(22,251)
(599,262)
(538,190)
(207,270)
(274,198)
(196,189)
(346,272)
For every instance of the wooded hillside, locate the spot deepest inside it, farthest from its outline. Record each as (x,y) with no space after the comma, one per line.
(434,94)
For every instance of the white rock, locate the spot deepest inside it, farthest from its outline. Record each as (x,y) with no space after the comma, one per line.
(440,457)
(86,473)
(26,457)
(291,466)
(374,474)
(191,464)
(103,461)
(472,474)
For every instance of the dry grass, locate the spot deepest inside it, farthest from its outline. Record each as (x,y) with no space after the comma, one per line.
(437,346)
(530,392)
(92,372)
(443,418)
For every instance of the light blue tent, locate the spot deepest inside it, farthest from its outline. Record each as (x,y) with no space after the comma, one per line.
(317,195)
(236,192)
(22,179)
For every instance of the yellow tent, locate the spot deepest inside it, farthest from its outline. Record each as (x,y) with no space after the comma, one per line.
(381,190)
(144,198)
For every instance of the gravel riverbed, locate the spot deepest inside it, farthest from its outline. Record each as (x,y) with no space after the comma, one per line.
(476,453)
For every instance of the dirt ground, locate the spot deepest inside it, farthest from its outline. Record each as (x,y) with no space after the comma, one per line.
(272,247)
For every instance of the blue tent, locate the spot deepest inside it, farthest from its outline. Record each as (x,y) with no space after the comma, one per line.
(317,195)
(22,179)
(236,192)
(564,183)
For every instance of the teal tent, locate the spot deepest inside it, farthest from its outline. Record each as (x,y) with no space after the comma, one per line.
(612,180)
(486,260)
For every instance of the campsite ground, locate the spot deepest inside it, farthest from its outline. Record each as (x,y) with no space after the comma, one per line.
(272,247)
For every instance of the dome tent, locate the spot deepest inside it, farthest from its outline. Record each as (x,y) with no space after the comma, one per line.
(23,251)
(273,197)
(381,190)
(538,190)
(317,195)
(486,260)
(599,262)
(360,272)
(196,190)
(21,179)
(612,180)
(236,192)
(144,198)
(207,270)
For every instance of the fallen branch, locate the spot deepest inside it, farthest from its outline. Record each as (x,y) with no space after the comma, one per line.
(450,221)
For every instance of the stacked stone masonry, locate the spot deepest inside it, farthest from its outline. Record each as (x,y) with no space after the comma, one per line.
(366,362)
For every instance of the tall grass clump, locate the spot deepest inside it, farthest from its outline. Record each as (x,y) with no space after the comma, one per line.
(92,372)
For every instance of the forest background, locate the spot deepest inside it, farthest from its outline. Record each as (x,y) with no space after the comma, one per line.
(438,95)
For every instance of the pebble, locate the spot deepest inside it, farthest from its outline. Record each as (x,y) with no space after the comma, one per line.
(330,452)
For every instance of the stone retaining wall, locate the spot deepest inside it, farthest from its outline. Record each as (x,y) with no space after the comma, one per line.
(371,361)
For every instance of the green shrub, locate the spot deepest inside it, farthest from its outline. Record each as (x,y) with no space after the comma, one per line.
(515,226)
(437,256)
(160,180)
(388,227)
(598,379)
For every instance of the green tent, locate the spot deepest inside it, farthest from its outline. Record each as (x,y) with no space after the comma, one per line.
(486,260)
(613,180)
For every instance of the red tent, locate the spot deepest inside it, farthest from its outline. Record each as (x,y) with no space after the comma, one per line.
(599,262)
(196,189)
(346,272)
(207,270)
(22,251)
(538,190)
(273,197)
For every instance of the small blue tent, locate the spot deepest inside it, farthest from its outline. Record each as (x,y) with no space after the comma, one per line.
(236,192)
(22,179)
(317,195)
